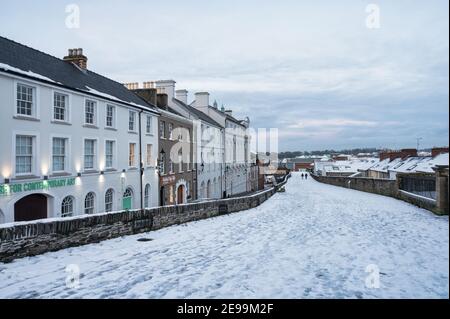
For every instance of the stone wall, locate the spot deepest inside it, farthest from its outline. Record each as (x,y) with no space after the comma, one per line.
(388,187)
(33,238)
(371,185)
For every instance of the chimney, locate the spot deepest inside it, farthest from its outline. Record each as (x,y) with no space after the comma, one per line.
(384,155)
(166,87)
(435,151)
(201,99)
(147,93)
(182,95)
(408,152)
(162,101)
(76,57)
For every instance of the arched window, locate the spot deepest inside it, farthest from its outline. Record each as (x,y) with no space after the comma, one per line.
(147,196)
(109,200)
(67,207)
(89,203)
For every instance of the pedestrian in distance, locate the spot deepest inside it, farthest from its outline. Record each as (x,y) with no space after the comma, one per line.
(302,175)
(306,176)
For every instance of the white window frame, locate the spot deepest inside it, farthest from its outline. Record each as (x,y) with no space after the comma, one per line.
(113,124)
(95,168)
(35,111)
(114,155)
(35,161)
(133,165)
(95,120)
(68,108)
(134,129)
(94,200)
(67,163)
(112,200)
(149,128)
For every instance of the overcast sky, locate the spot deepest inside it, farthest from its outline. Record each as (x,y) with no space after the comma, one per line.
(313,70)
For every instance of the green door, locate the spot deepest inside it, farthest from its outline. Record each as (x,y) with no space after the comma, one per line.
(127,200)
(126,203)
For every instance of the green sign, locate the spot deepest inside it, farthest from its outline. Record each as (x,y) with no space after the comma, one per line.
(7,189)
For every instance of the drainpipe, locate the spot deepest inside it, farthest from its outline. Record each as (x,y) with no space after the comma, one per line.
(141,164)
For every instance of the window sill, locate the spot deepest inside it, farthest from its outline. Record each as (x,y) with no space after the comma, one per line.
(132,168)
(60,174)
(149,134)
(132,132)
(110,170)
(110,128)
(91,172)
(26,118)
(60,122)
(25,177)
(90,126)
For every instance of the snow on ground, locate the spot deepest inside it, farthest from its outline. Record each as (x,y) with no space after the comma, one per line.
(313,241)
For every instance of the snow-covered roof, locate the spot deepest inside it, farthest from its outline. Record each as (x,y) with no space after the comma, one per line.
(20,60)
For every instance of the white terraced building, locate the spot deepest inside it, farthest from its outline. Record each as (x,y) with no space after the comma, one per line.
(208,137)
(237,145)
(72,141)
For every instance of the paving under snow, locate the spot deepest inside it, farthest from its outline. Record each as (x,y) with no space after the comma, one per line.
(314,241)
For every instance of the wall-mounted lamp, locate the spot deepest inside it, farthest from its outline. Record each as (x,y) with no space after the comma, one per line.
(78,174)
(7,180)
(46,178)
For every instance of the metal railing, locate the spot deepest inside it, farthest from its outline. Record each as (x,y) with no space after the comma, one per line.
(422,185)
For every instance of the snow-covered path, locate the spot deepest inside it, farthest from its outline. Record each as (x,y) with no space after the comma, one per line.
(314,241)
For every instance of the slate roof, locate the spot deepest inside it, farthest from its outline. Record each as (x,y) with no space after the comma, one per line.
(24,61)
(198,113)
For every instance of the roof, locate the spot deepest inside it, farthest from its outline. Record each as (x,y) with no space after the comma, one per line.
(27,62)
(202,116)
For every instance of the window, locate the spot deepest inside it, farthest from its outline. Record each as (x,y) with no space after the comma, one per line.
(89,154)
(170,131)
(59,154)
(90,109)
(60,107)
(110,112)
(149,155)
(147,196)
(67,207)
(25,100)
(162,163)
(148,126)
(170,166)
(89,203)
(127,200)
(24,154)
(180,161)
(171,194)
(109,199)
(109,154)
(162,129)
(131,121)
(132,155)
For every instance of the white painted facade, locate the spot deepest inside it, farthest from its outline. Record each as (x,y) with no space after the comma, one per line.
(42,130)
(237,146)
(208,148)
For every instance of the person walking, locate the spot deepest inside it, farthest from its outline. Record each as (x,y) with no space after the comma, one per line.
(306,176)
(302,176)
